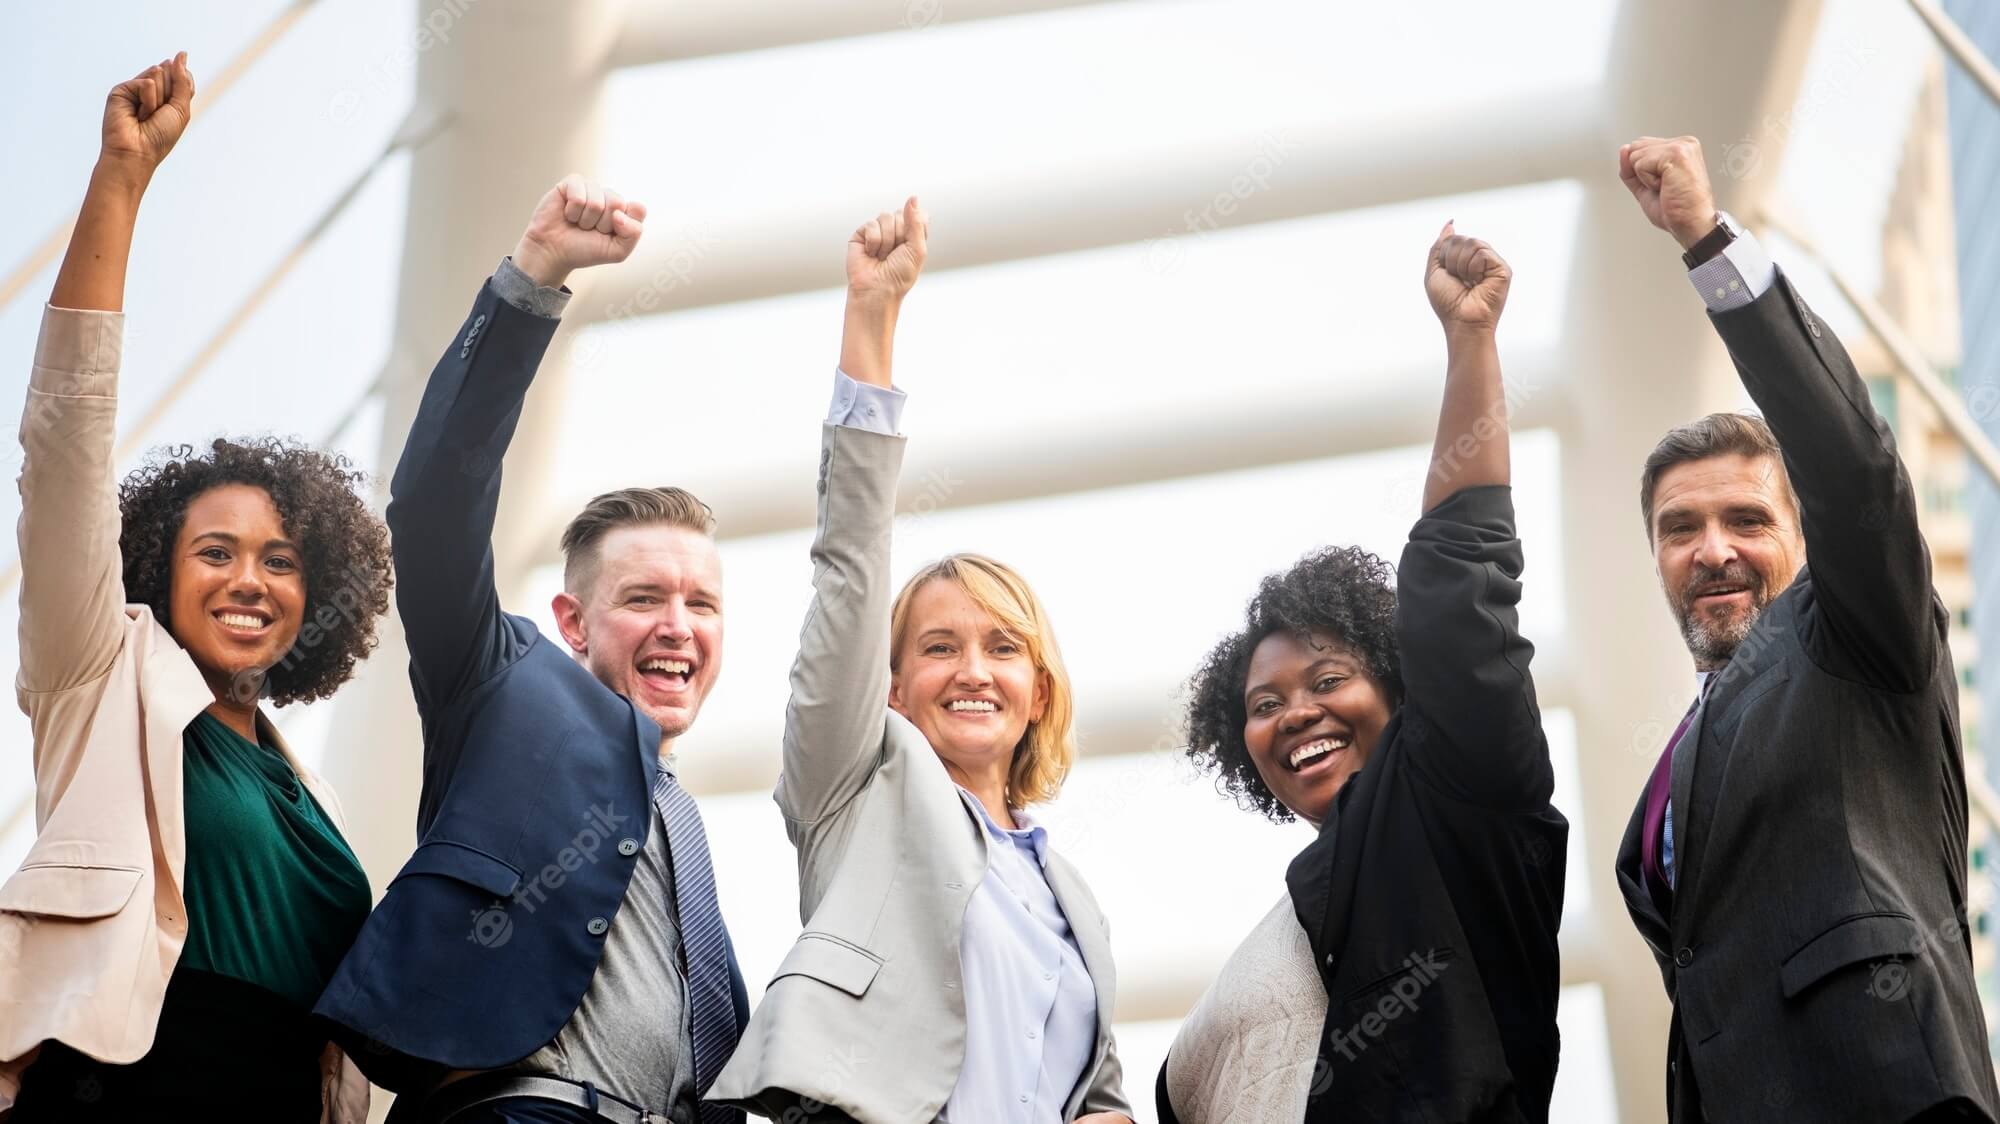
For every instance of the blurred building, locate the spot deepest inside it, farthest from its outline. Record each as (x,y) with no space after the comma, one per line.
(1919,291)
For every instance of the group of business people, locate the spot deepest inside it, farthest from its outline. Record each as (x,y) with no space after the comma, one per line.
(191,938)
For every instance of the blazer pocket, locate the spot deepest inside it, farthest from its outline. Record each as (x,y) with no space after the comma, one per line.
(831,961)
(77,892)
(1856,940)
(466,864)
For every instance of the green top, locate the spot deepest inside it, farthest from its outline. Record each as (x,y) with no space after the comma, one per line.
(274,896)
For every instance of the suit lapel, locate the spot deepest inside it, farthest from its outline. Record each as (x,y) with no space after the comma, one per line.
(174,694)
(1087,925)
(1646,915)
(646,742)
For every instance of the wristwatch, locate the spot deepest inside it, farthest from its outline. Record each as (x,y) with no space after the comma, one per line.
(1714,242)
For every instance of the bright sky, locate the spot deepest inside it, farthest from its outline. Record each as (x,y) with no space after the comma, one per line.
(1236,319)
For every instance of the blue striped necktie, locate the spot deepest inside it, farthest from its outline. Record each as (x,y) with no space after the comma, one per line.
(704,941)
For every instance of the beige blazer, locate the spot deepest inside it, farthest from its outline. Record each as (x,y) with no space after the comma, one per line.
(866,1013)
(92,923)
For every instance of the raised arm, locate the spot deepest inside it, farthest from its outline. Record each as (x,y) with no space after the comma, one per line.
(446,491)
(834,724)
(72,587)
(1470,715)
(1871,572)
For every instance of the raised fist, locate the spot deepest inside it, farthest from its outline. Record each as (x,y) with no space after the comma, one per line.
(886,253)
(144,116)
(576,225)
(1466,281)
(1670,181)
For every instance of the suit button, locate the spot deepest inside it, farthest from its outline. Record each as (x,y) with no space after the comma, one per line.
(628,847)
(1684,957)
(597,925)
(479,320)
(465,352)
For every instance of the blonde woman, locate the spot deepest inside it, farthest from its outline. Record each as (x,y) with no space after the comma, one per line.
(953,966)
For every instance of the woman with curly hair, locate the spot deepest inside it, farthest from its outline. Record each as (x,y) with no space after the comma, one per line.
(188,892)
(1410,973)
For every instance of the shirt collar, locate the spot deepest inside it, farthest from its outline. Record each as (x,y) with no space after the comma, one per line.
(1035,835)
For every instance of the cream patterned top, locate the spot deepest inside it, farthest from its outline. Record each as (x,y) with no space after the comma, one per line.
(1246,1053)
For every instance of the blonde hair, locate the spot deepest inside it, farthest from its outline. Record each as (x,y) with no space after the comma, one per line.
(1048,748)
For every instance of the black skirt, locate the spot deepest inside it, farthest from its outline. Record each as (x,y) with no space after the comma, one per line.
(225,1050)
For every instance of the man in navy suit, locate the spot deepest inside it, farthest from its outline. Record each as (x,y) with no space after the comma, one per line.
(553,950)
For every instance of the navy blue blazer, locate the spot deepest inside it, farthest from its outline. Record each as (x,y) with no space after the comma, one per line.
(536,777)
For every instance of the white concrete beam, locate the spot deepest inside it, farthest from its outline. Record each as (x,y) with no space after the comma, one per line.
(1322,419)
(687,29)
(1340,166)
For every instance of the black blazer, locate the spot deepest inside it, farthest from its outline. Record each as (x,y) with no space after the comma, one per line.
(1432,893)
(1816,947)
(536,777)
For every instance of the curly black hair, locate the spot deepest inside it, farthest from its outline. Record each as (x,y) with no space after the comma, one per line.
(345,547)
(1343,592)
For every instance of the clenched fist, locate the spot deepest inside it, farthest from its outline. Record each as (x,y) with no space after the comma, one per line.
(1669,178)
(1466,281)
(886,253)
(576,225)
(144,117)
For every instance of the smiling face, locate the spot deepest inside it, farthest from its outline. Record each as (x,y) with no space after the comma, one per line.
(238,591)
(1726,542)
(966,682)
(646,619)
(1312,718)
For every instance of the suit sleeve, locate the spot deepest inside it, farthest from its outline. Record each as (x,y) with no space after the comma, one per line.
(837,718)
(1107,1093)
(1470,719)
(446,494)
(72,576)
(1873,616)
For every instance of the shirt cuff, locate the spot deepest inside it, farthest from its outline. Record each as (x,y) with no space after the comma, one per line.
(1736,276)
(520,290)
(859,405)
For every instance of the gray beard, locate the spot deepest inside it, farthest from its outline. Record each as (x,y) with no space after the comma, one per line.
(1712,644)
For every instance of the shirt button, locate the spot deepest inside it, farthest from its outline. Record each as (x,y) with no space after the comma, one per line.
(1032,1036)
(1048,975)
(1684,957)
(596,926)
(1024,1098)
(628,847)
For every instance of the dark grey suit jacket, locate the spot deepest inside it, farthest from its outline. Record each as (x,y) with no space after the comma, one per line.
(1816,946)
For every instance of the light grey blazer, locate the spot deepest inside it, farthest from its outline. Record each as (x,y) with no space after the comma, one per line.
(867,1011)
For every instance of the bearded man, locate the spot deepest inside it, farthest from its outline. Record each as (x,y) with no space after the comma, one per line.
(1798,859)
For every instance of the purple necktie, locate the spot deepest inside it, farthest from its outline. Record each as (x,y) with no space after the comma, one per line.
(1657,791)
